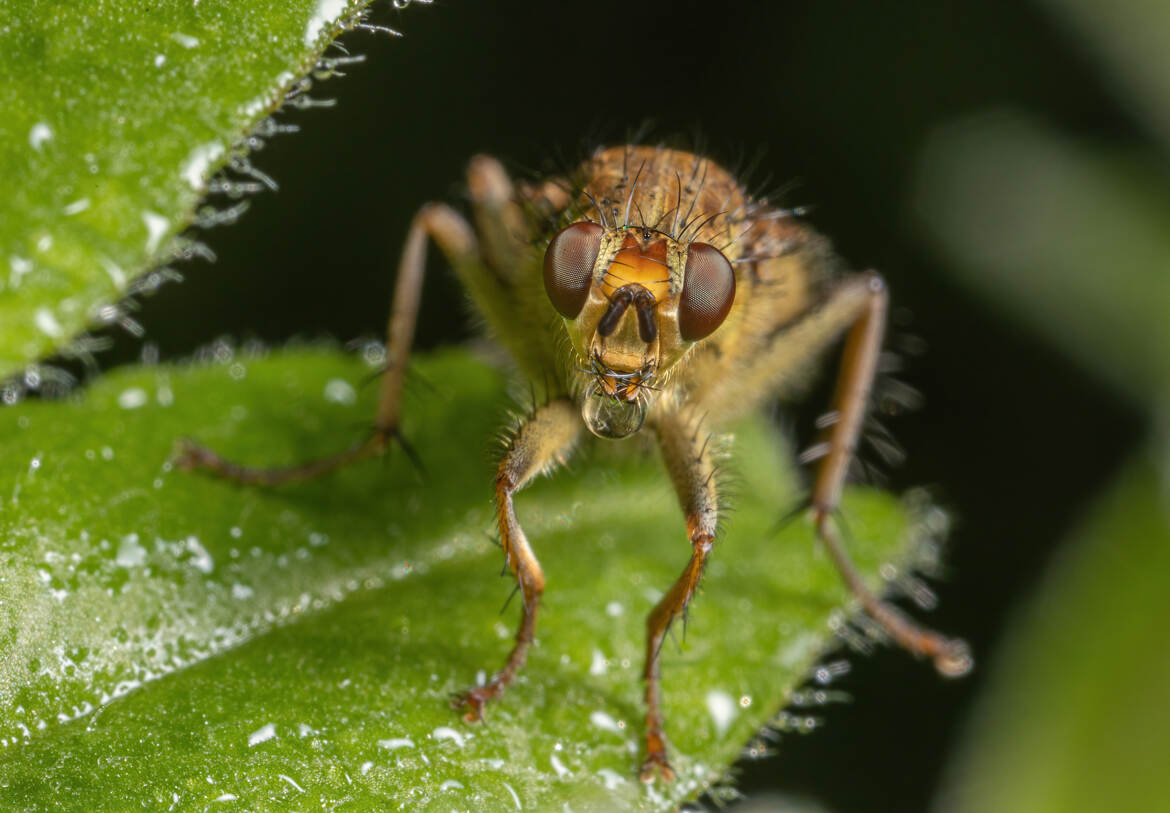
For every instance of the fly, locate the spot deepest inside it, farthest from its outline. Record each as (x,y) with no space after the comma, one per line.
(666,299)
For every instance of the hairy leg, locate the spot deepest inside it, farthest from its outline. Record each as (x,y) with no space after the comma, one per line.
(541,443)
(505,283)
(839,442)
(686,451)
(453,235)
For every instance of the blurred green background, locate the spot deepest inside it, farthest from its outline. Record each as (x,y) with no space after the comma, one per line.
(1002,163)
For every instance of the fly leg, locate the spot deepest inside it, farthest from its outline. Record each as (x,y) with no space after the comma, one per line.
(858,368)
(456,239)
(541,443)
(689,461)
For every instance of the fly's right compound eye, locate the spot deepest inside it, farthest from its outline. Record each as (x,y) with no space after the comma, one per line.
(568,266)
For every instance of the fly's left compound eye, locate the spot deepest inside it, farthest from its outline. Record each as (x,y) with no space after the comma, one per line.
(568,266)
(707,294)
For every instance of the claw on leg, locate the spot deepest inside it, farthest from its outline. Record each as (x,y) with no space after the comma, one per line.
(656,764)
(951,656)
(474,701)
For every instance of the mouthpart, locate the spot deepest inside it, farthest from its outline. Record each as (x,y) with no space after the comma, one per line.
(616,401)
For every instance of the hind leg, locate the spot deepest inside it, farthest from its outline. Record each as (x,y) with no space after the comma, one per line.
(859,363)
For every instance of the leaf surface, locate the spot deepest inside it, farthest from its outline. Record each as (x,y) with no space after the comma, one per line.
(174,638)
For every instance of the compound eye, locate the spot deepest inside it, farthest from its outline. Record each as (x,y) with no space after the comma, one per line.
(568,266)
(707,294)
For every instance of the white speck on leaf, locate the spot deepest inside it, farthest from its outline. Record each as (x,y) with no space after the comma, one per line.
(200,558)
(721,705)
(39,134)
(198,161)
(515,798)
(327,11)
(291,781)
(558,766)
(598,665)
(20,266)
(340,391)
(47,323)
(263,734)
(132,398)
(156,229)
(446,733)
(611,778)
(396,743)
(604,722)
(115,272)
(256,106)
(78,206)
(130,552)
(186,40)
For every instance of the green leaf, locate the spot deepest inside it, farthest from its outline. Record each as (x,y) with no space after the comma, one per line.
(1077,714)
(113,117)
(171,638)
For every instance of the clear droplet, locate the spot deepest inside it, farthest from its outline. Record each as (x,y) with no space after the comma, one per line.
(613,418)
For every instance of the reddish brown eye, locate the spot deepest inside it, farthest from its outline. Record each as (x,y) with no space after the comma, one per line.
(568,266)
(707,294)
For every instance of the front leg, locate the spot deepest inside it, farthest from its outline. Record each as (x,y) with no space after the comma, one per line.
(686,450)
(541,443)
